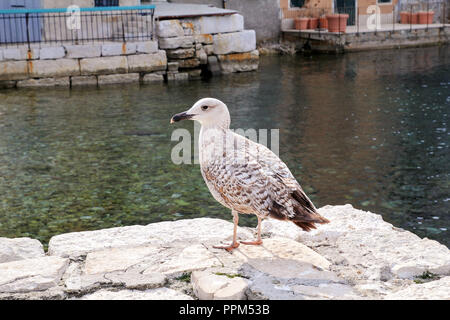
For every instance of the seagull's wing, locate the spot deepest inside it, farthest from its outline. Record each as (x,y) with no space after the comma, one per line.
(252,179)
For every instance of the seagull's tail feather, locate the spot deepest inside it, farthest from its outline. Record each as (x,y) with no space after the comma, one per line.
(306,214)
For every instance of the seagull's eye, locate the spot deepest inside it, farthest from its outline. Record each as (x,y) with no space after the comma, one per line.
(204,108)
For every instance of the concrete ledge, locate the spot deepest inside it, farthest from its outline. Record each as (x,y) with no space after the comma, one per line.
(52,53)
(104,65)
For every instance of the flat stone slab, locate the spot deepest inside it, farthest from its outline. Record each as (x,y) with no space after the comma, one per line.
(104,65)
(31,274)
(389,250)
(213,286)
(53,68)
(434,290)
(239,62)
(235,42)
(192,231)
(19,249)
(148,62)
(44,82)
(152,294)
(179,10)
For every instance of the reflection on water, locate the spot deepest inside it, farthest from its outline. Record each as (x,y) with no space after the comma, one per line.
(370,129)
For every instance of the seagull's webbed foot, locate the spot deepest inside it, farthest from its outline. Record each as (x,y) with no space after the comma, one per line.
(254,243)
(229,248)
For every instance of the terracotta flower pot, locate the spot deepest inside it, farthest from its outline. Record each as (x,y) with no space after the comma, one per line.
(430,17)
(301,23)
(405,17)
(414,18)
(337,22)
(323,23)
(423,17)
(313,23)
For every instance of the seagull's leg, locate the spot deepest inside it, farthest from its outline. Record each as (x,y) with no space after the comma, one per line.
(258,240)
(234,244)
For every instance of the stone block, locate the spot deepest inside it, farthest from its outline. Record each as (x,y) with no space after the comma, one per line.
(53,68)
(172,66)
(118,78)
(1,54)
(104,65)
(147,62)
(84,81)
(204,38)
(147,47)
(31,274)
(219,24)
(195,74)
(239,62)
(235,42)
(169,29)
(188,28)
(210,286)
(151,294)
(20,54)
(52,53)
(178,42)
(177,76)
(19,249)
(83,51)
(180,53)
(117,49)
(13,70)
(189,63)
(44,82)
(202,56)
(152,77)
(209,49)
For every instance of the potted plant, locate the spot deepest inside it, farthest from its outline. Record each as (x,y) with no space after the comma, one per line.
(323,22)
(313,23)
(301,23)
(337,22)
(422,17)
(405,17)
(430,15)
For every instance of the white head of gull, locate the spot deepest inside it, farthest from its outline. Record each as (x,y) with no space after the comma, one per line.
(245,176)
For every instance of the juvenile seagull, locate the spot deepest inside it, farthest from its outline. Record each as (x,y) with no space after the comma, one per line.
(245,176)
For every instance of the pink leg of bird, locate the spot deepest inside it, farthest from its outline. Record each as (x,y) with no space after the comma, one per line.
(233,244)
(258,240)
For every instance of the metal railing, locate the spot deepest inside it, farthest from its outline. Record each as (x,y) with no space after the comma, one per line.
(378,18)
(35,27)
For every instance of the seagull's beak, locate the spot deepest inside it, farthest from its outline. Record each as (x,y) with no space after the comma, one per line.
(181,116)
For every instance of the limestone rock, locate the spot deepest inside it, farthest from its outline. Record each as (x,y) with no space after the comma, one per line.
(31,274)
(182,76)
(178,42)
(433,290)
(218,24)
(52,53)
(152,77)
(13,70)
(148,62)
(19,249)
(83,51)
(117,49)
(172,66)
(53,68)
(84,81)
(189,63)
(181,53)
(235,42)
(210,286)
(147,47)
(104,65)
(204,38)
(44,82)
(239,62)
(151,294)
(118,78)
(169,28)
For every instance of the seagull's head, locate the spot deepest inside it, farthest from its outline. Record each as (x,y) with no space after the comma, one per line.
(208,111)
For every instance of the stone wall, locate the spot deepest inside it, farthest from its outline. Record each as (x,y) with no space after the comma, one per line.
(73,65)
(356,256)
(185,49)
(215,44)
